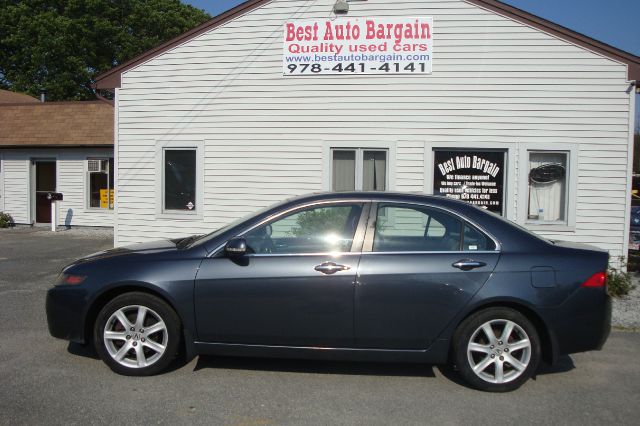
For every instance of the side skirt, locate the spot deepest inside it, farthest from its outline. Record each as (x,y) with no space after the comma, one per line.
(437,353)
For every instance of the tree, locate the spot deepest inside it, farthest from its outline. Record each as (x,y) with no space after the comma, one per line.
(61,46)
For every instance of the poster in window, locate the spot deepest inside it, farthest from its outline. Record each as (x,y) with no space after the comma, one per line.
(476,177)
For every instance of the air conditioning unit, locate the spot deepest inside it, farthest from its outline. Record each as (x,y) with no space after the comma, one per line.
(95,166)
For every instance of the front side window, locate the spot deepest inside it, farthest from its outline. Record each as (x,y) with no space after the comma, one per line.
(100,179)
(315,230)
(179,186)
(548,186)
(359,169)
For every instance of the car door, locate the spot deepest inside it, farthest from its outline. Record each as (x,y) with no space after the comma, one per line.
(420,265)
(294,288)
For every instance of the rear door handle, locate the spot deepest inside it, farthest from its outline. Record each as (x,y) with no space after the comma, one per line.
(330,268)
(468,264)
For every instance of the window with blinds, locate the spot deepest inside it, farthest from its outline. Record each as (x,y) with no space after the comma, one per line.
(359,169)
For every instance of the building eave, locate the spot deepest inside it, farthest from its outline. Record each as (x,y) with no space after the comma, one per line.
(112,79)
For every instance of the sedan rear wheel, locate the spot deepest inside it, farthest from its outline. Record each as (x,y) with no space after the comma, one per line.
(497,349)
(137,334)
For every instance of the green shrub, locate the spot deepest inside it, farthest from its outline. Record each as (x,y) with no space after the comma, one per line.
(5,220)
(618,282)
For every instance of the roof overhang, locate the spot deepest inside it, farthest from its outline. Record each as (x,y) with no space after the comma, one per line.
(56,146)
(632,61)
(112,78)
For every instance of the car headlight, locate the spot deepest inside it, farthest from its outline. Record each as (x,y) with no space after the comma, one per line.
(70,279)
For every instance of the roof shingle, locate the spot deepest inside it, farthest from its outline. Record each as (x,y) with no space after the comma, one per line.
(9,97)
(56,124)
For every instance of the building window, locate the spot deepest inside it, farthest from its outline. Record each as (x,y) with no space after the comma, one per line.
(359,169)
(179,183)
(548,174)
(100,178)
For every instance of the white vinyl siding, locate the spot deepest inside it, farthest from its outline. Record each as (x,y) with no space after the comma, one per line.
(71,172)
(495,81)
(1,183)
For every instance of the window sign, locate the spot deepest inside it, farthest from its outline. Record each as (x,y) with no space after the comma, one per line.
(346,46)
(476,177)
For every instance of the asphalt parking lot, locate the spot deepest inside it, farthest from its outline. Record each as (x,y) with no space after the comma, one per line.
(47,381)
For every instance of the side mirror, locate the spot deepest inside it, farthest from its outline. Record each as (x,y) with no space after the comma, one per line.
(236,247)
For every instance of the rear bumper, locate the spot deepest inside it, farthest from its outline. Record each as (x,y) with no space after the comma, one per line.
(583,323)
(65,318)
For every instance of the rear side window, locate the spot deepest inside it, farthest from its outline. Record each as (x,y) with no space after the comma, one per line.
(409,228)
(413,228)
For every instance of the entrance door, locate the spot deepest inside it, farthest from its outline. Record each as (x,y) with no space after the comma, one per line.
(45,171)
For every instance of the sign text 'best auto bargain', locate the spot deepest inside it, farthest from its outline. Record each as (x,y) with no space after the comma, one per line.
(358,46)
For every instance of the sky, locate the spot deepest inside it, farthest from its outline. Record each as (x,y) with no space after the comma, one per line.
(615,22)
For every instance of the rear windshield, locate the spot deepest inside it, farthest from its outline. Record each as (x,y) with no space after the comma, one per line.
(514,224)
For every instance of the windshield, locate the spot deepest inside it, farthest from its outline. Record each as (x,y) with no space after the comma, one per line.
(208,237)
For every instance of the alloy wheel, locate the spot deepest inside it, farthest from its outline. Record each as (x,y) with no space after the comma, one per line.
(499,351)
(135,336)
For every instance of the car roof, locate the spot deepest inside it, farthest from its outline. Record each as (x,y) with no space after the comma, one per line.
(375,196)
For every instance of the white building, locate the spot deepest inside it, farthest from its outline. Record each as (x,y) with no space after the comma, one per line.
(227,118)
(64,147)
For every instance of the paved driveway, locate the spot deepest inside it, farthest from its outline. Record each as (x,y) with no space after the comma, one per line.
(46,381)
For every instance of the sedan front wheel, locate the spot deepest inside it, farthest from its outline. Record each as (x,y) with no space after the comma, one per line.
(137,334)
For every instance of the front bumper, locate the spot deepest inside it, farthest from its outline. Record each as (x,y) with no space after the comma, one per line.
(65,313)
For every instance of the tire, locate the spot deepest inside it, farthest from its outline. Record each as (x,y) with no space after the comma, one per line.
(491,363)
(137,348)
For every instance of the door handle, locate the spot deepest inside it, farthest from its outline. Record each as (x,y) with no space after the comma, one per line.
(330,268)
(468,264)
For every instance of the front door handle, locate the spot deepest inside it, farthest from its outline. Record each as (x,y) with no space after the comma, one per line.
(468,264)
(330,268)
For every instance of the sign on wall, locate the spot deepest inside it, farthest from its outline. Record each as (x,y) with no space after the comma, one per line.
(476,177)
(345,46)
(106,201)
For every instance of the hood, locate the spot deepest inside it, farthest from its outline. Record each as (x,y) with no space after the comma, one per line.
(140,248)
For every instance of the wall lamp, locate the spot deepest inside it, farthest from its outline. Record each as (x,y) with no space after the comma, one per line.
(342,6)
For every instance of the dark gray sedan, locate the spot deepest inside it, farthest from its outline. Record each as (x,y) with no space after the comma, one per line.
(363,276)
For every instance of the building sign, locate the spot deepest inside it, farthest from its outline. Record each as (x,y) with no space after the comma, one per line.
(106,202)
(473,176)
(345,46)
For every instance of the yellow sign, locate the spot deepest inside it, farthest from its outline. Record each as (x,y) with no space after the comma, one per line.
(103,199)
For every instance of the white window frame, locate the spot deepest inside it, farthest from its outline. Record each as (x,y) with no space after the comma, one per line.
(359,148)
(196,213)
(88,184)
(569,223)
